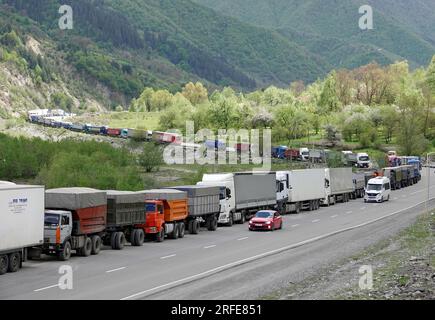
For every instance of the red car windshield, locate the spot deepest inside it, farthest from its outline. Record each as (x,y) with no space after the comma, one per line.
(264,215)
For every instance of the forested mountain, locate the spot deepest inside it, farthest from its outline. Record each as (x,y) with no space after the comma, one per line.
(329,28)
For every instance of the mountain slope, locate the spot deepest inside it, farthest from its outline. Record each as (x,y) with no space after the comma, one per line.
(401,29)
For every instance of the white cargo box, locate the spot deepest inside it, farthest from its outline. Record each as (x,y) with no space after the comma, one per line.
(306,185)
(22,216)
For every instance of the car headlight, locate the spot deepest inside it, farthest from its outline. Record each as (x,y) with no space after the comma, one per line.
(268,222)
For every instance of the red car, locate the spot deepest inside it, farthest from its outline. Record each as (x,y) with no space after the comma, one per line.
(266,220)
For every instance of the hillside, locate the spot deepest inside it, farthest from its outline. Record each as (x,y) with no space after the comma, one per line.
(329,28)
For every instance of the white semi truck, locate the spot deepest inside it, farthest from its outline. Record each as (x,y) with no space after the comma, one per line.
(22,224)
(246,193)
(302,190)
(339,185)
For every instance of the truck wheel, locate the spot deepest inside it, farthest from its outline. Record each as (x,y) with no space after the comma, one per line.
(174,234)
(113,240)
(160,237)
(230,220)
(65,254)
(4,262)
(195,227)
(133,237)
(181,230)
(243,218)
(120,240)
(213,224)
(139,237)
(96,245)
(311,206)
(14,262)
(87,248)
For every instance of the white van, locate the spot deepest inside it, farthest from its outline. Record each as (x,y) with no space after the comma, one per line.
(378,190)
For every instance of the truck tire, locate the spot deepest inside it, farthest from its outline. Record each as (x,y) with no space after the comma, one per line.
(113,240)
(243,218)
(311,206)
(4,263)
(230,220)
(14,262)
(96,245)
(174,234)
(86,250)
(160,236)
(181,230)
(139,237)
(297,208)
(213,224)
(194,227)
(119,240)
(65,254)
(133,237)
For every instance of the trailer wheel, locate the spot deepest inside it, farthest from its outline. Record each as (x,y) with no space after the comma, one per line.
(133,237)
(139,237)
(4,262)
(181,230)
(119,240)
(96,245)
(65,254)
(194,227)
(113,240)
(243,218)
(86,250)
(160,237)
(174,234)
(14,262)
(297,207)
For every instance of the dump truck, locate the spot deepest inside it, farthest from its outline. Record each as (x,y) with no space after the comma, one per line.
(125,210)
(339,185)
(166,213)
(75,219)
(395,176)
(246,193)
(203,207)
(359,182)
(304,189)
(22,224)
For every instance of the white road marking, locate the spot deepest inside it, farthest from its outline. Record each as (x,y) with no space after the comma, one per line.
(241,239)
(45,288)
(334,216)
(363,208)
(314,221)
(167,257)
(268,253)
(295,225)
(209,247)
(114,270)
(349,212)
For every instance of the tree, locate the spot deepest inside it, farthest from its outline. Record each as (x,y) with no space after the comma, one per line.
(195,93)
(151,157)
(143,103)
(345,86)
(374,84)
(332,135)
(328,98)
(160,100)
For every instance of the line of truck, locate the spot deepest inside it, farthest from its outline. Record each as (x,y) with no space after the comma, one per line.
(35,221)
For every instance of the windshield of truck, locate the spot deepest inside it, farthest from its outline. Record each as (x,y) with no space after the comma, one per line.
(364,158)
(263,214)
(51,220)
(374,187)
(150,207)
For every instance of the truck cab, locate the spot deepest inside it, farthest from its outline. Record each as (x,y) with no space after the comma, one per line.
(363,160)
(155,218)
(378,190)
(304,154)
(58,226)
(282,190)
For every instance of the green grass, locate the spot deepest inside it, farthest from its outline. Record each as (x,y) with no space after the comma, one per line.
(133,120)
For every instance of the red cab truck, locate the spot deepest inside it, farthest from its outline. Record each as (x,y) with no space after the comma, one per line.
(75,219)
(166,212)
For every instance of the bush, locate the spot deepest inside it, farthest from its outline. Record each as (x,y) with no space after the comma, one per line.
(151,157)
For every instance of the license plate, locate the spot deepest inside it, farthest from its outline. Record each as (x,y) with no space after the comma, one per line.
(258,225)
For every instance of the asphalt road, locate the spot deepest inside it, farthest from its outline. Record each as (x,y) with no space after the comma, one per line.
(231,263)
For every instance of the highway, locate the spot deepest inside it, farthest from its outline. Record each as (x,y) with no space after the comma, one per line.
(231,263)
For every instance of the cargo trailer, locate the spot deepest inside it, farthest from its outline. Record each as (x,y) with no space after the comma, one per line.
(125,210)
(395,176)
(22,224)
(339,185)
(359,182)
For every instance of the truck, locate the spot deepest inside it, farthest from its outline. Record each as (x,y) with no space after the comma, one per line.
(350,158)
(75,219)
(92,129)
(22,224)
(363,160)
(166,137)
(359,182)
(303,189)
(166,213)
(395,176)
(125,210)
(77,127)
(408,175)
(339,185)
(139,134)
(203,206)
(246,193)
(279,152)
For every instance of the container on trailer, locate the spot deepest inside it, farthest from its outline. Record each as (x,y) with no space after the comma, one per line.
(306,185)
(341,180)
(203,200)
(124,208)
(77,127)
(254,190)
(113,132)
(359,181)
